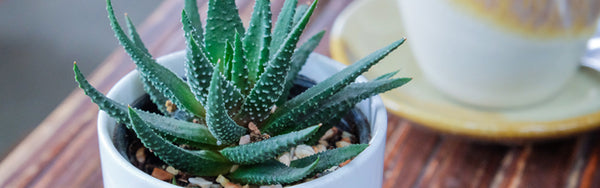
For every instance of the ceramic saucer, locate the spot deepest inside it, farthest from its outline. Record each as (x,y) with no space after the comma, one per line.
(367,25)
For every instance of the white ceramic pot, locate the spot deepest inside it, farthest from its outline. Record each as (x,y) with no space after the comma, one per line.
(366,170)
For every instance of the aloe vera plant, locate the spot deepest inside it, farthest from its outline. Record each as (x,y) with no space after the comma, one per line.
(237,78)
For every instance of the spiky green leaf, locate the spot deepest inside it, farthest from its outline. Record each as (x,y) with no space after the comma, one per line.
(257,39)
(227,61)
(311,98)
(193,16)
(218,121)
(271,172)
(155,95)
(283,25)
(205,162)
(194,32)
(269,87)
(165,81)
(185,131)
(336,106)
(222,22)
(330,158)
(134,36)
(300,10)
(198,70)
(387,75)
(239,72)
(261,151)
(298,60)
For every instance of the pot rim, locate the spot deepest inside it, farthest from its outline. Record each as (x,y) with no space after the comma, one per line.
(374,109)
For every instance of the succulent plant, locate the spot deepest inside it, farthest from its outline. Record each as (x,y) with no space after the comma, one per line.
(237,79)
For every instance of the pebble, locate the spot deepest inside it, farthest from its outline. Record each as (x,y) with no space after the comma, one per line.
(244,139)
(345,163)
(200,182)
(319,148)
(323,142)
(333,168)
(172,170)
(341,144)
(303,151)
(285,158)
(253,128)
(232,185)
(346,136)
(330,170)
(170,106)
(222,180)
(330,133)
(140,155)
(161,174)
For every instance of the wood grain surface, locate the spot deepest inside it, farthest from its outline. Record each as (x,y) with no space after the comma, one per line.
(63,150)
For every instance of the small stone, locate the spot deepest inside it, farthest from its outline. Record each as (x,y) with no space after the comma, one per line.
(246,186)
(140,155)
(319,148)
(324,143)
(232,185)
(222,180)
(333,168)
(330,133)
(170,106)
(346,136)
(330,170)
(303,151)
(309,179)
(285,158)
(200,182)
(244,139)
(345,163)
(172,170)
(273,109)
(253,128)
(161,174)
(265,136)
(195,120)
(341,144)
(234,168)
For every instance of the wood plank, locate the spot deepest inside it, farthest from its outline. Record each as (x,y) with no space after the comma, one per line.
(33,155)
(548,164)
(589,175)
(408,149)
(460,163)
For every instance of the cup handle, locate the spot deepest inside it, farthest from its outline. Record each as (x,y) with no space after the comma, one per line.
(591,58)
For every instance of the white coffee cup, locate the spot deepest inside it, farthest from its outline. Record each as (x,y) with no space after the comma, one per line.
(499,53)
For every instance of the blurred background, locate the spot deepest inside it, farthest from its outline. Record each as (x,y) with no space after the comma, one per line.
(39,40)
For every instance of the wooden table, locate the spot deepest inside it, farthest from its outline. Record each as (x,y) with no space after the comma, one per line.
(63,150)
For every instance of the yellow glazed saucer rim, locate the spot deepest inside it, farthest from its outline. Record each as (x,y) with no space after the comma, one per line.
(350,39)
